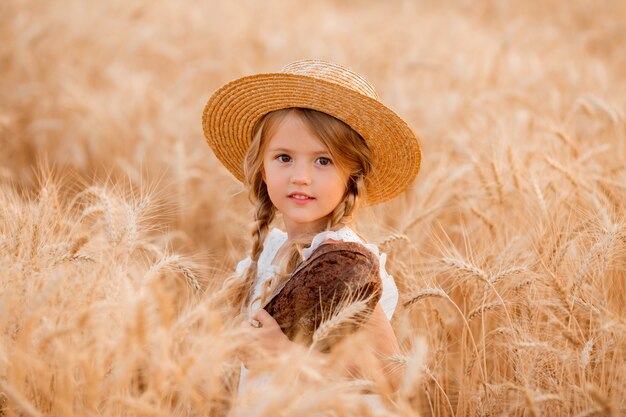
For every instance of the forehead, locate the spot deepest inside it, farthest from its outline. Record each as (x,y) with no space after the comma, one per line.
(293,133)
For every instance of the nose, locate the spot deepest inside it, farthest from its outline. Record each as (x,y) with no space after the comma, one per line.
(301,175)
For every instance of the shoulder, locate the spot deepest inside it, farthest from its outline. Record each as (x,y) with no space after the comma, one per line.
(342,261)
(335,270)
(341,249)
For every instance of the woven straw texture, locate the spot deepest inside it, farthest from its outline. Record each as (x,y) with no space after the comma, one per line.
(232,112)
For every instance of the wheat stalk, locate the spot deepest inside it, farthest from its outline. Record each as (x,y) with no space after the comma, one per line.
(561,135)
(524,284)
(339,319)
(596,248)
(482,309)
(176,262)
(393,239)
(426,293)
(499,186)
(507,273)
(586,353)
(562,170)
(400,359)
(605,107)
(500,331)
(466,268)
(514,168)
(484,219)
(541,200)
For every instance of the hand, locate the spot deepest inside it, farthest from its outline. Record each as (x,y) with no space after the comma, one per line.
(266,337)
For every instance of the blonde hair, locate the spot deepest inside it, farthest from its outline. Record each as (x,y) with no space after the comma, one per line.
(350,153)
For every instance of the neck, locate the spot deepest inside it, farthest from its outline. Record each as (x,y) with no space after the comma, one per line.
(296,231)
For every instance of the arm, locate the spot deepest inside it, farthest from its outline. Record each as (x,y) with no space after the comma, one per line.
(315,291)
(376,329)
(382,338)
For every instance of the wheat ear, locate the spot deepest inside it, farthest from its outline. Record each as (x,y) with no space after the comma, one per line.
(506,273)
(540,199)
(426,293)
(499,185)
(483,308)
(482,216)
(394,238)
(346,315)
(563,137)
(466,267)
(514,168)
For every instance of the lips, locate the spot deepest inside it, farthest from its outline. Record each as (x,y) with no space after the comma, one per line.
(300,197)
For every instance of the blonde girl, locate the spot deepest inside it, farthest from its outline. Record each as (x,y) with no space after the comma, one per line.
(311,143)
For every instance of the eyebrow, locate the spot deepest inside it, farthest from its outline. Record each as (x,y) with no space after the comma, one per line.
(285,150)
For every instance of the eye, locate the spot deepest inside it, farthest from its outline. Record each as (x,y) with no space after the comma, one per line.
(283,157)
(322,160)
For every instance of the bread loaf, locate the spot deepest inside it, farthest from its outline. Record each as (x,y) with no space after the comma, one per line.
(334,276)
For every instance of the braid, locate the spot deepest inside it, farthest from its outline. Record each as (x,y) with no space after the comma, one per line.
(238,288)
(342,214)
(243,285)
(264,214)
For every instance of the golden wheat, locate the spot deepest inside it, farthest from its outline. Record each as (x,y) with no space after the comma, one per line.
(118,226)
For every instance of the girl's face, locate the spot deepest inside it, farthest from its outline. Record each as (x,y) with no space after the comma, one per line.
(303,181)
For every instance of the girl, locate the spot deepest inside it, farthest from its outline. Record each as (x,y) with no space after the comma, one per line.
(312,143)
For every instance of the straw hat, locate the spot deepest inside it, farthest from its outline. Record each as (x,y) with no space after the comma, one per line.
(232,111)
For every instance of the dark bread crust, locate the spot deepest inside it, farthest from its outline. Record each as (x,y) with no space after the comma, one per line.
(334,272)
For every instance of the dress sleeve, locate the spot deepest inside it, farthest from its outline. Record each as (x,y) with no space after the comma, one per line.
(339,285)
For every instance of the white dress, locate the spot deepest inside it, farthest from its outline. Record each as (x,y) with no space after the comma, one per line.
(266,269)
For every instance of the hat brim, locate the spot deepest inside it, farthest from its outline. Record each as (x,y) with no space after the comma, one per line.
(232,111)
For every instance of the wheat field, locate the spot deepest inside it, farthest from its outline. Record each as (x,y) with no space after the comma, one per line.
(118,225)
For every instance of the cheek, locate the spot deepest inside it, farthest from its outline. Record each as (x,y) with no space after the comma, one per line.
(274,183)
(264,166)
(339,185)
(269,175)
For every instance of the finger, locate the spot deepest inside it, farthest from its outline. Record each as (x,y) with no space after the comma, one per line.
(264,318)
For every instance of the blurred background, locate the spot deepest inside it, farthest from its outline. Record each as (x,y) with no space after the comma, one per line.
(114,90)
